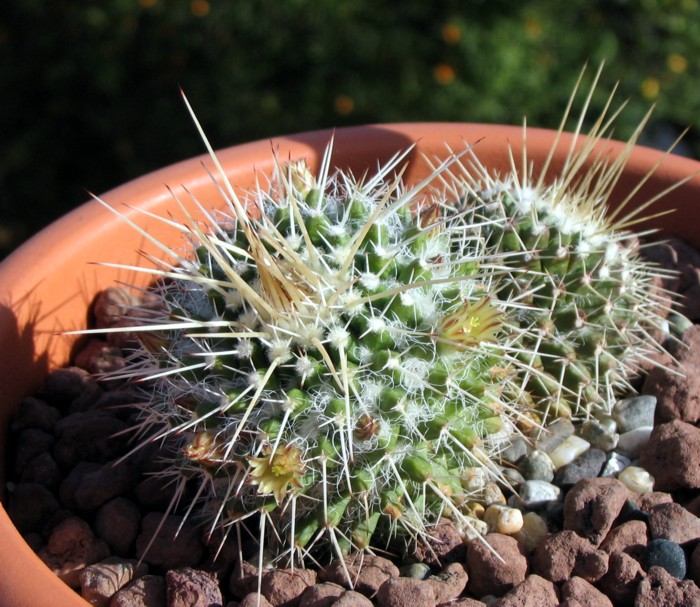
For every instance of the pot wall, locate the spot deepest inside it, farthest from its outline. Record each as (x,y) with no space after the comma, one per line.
(47,284)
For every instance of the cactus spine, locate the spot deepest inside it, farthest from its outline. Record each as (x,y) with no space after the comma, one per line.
(339,355)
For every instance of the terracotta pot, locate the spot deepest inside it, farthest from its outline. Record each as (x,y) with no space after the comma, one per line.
(46,285)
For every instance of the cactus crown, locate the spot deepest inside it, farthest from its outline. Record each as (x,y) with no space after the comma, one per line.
(342,357)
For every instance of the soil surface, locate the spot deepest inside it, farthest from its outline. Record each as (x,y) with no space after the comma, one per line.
(616,524)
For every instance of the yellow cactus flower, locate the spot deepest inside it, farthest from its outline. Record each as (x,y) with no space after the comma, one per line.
(471,325)
(275,472)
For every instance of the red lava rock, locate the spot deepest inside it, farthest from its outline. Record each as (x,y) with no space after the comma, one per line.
(645,501)
(72,547)
(321,595)
(146,591)
(30,506)
(35,413)
(97,356)
(284,587)
(661,589)
(487,573)
(673,522)
(71,387)
(188,587)
(118,523)
(175,544)
(630,537)
(89,436)
(350,598)
(562,555)
(534,591)
(99,486)
(592,505)
(254,600)
(671,456)
(405,592)
(244,579)
(678,396)
(367,572)
(584,594)
(449,583)
(622,579)
(463,602)
(99,582)
(444,545)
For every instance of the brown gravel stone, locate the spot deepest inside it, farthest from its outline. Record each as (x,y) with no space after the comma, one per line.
(89,436)
(99,582)
(100,357)
(72,547)
(284,587)
(673,522)
(35,413)
(175,544)
(405,592)
(189,587)
(30,506)
(449,583)
(244,579)
(565,554)
(487,573)
(445,545)
(534,591)
(118,523)
(694,565)
(592,505)
(630,537)
(254,600)
(463,602)
(321,595)
(671,456)
(367,571)
(622,579)
(646,500)
(661,589)
(585,594)
(350,598)
(71,387)
(146,591)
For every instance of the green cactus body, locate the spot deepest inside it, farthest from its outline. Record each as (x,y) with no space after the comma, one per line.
(335,362)
(340,361)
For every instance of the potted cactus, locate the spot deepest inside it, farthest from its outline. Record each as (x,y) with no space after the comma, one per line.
(343,332)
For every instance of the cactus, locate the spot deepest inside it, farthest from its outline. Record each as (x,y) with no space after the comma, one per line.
(339,356)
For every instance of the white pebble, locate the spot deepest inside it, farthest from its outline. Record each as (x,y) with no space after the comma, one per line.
(533,530)
(503,519)
(568,451)
(631,443)
(636,479)
(474,528)
(616,463)
(538,493)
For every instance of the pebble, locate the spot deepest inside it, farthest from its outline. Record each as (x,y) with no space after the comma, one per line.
(599,434)
(616,463)
(495,564)
(538,493)
(533,530)
(632,443)
(537,466)
(635,412)
(560,429)
(503,519)
(666,554)
(671,457)
(568,450)
(587,465)
(517,447)
(418,571)
(636,479)
(492,494)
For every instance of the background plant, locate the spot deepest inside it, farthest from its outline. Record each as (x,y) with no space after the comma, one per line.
(88,87)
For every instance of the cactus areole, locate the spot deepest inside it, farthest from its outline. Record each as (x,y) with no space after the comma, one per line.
(336,357)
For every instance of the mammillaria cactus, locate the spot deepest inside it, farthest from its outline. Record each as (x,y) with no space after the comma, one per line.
(338,355)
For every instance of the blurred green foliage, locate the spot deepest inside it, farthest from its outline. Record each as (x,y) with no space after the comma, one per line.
(90,87)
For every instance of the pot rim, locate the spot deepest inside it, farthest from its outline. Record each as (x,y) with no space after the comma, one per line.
(28,332)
